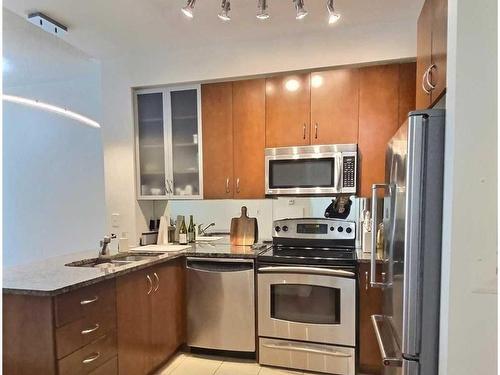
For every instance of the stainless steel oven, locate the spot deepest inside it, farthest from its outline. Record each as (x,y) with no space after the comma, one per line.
(311,170)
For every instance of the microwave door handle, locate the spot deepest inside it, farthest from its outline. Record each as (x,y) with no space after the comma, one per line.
(338,160)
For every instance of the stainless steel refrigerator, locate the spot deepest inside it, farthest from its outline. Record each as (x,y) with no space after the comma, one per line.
(408,329)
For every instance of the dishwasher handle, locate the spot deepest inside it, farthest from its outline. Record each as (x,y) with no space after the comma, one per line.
(214,265)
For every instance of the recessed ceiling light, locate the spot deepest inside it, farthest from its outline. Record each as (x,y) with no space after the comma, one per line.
(188,10)
(226,7)
(333,16)
(262,13)
(299,7)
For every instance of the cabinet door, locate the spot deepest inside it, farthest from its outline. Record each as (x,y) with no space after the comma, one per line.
(439,44)
(168,319)
(184,162)
(288,102)
(334,106)
(133,307)
(217,109)
(249,129)
(370,303)
(150,145)
(424,40)
(378,121)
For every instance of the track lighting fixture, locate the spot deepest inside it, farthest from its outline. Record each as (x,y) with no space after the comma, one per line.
(188,10)
(226,7)
(299,7)
(333,16)
(262,13)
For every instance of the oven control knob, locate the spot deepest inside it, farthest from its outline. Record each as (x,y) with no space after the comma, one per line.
(277,228)
(332,229)
(340,229)
(348,230)
(285,228)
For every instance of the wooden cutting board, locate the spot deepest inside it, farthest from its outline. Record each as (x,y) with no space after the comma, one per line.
(244,229)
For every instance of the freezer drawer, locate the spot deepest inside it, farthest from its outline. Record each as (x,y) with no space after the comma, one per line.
(306,356)
(220,304)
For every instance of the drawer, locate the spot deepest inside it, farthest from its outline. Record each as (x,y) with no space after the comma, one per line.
(306,356)
(109,368)
(83,302)
(89,358)
(81,332)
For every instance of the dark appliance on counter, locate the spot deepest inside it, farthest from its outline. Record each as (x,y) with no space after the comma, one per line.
(408,330)
(307,296)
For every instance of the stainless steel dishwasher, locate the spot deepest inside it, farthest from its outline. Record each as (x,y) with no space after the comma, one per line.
(221,304)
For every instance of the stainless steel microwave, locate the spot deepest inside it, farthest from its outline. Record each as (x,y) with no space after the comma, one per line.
(311,170)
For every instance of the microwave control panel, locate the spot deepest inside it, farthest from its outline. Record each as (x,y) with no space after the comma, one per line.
(349,171)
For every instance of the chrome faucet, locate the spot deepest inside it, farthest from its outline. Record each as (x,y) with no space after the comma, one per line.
(103,252)
(202,231)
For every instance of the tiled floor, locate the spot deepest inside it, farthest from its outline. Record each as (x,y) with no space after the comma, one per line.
(190,364)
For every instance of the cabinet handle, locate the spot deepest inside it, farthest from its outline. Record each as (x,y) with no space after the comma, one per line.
(170,186)
(91,358)
(304,131)
(89,301)
(157,282)
(367,281)
(227,185)
(316,131)
(423,83)
(150,282)
(238,185)
(90,330)
(427,79)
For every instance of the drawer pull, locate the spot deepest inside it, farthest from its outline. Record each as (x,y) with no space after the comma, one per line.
(91,358)
(90,330)
(307,349)
(88,301)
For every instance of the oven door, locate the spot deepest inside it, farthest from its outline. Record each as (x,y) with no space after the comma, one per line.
(307,303)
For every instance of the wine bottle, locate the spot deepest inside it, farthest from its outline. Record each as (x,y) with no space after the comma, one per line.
(183,233)
(191,229)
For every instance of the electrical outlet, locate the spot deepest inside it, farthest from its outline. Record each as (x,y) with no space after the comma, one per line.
(115,220)
(291,202)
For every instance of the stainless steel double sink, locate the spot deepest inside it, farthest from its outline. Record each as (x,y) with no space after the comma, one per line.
(114,261)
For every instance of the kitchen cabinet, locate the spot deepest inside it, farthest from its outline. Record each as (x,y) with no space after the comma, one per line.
(217,112)
(150,316)
(234,139)
(71,333)
(334,106)
(431,53)
(249,131)
(385,95)
(168,143)
(288,110)
(370,303)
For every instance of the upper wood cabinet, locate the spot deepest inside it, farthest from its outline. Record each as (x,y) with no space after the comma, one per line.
(334,106)
(217,119)
(249,131)
(288,109)
(431,53)
(383,91)
(234,139)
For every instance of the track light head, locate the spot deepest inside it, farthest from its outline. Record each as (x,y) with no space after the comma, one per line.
(188,10)
(224,13)
(333,16)
(262,13)
(299,7)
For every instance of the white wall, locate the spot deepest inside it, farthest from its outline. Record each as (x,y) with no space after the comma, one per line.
(468,343)
(226,60)
(53,175)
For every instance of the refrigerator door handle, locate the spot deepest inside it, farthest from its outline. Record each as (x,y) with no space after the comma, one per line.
(412,251)
(373,260)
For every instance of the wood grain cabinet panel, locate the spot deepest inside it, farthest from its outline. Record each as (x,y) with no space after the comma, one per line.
(334,106)
(249,130)
(370,303)
(439,47)
(288,109)
(217,123)
(424,51)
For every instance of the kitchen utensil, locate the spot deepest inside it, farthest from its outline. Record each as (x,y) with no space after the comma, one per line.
(244,230)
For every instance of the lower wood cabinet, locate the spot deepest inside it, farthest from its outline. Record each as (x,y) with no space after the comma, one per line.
(370,303)
(150,317)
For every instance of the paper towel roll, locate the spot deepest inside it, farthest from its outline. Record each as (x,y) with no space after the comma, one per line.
(163,231)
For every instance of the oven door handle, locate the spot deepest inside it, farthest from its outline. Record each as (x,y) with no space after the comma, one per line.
(308,270)
(307,349)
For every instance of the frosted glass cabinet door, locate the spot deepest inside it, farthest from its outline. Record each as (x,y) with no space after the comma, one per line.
(150,145)
(185,142)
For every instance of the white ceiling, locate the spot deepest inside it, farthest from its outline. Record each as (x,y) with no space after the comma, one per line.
(111,28)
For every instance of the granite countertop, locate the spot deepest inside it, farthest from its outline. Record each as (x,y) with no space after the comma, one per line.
(51,277)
